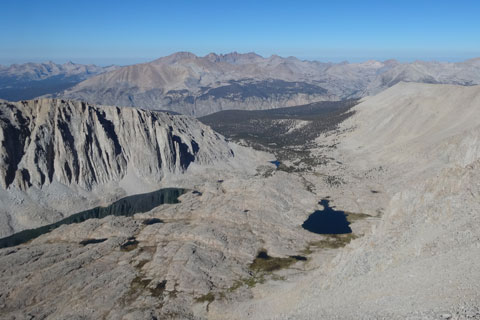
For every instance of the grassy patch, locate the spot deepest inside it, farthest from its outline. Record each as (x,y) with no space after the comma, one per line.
(249,282)
(352,217)
(172,294)
(262,269)
(158,290)
(264,263)
(237,284)
(209,297)
(333,241)
(140,284)
(268,173)
(141,264)
(92,241)
(149,249)
(129,245)
(137,285)
(307,250)
(276,277)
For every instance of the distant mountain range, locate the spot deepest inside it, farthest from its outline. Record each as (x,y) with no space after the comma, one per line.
(189,84)
(194,85)
(465,73)
(30,80)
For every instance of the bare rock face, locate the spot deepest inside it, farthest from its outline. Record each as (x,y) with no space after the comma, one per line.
(50,144)
(75,143)
(174,269)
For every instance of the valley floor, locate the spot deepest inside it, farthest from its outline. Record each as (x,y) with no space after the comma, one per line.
(406,164)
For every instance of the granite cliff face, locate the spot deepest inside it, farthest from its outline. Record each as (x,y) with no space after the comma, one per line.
(76,143)
(47,144)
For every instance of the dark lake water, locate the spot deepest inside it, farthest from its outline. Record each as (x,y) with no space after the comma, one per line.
(327,221)
(275,162)
(127,206)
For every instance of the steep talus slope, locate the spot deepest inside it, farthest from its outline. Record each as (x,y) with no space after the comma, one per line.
(422,258)
(419,145)
(48,145)
(418,123)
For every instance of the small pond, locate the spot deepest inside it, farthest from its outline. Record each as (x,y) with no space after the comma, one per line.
(276,163)
(127,206)
(327,221)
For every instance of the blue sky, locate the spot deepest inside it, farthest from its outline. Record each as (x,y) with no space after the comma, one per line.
(126,32)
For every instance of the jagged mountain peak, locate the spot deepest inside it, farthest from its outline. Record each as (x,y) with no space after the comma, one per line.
(75,143)
(234,57)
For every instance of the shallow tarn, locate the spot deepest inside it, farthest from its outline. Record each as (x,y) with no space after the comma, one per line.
(276,163)
(327,221)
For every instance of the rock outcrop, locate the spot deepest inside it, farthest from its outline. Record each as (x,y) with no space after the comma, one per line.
(46,144)
(76,143)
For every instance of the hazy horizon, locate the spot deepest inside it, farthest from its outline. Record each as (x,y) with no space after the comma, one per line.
(131,61)
(122,33)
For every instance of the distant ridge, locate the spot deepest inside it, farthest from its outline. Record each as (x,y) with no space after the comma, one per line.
(29,80)
(189,84)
